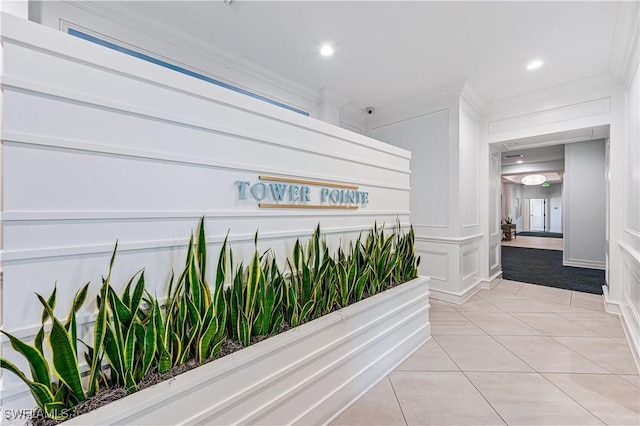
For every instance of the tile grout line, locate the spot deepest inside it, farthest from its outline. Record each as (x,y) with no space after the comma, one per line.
(575,351)
(485,398)
(572,398)
(535,371)
(397,399)
(472,384)
(541,335)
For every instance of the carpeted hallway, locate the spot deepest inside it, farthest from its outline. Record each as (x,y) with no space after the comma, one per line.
(545,267)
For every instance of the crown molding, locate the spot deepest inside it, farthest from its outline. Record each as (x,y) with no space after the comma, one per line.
(473,96)
(417,105)
(122,15)
(624,48)
(520,104)
(328,96)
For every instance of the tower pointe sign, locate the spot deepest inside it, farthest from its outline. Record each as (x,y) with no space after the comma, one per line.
(278,192)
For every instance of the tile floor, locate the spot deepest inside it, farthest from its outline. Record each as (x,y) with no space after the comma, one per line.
(546,243)
(517,354)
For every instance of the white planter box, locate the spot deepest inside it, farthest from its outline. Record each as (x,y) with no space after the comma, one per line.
(306,375)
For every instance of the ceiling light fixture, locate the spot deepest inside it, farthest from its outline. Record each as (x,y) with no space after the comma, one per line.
(326,50)
(519,162)
(534,64)
(534,179)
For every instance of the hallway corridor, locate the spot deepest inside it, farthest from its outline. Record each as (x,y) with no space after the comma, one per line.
(518,354)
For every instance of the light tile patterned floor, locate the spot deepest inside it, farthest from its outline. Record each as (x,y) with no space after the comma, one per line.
(518,354)
(546,243)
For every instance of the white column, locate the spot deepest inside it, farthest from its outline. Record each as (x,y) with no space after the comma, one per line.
(329,106)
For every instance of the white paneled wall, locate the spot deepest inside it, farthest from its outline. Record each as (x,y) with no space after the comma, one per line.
(443,135)
(98,146)
(630,244)
(584,205)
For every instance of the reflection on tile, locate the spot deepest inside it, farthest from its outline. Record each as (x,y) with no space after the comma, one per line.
(440,306)
(480,353)
(546,355)
(477,304)
(511,303)
(501,323)
(552,324)
(429,398)
(430,357)
(608,397)
(379,406)
(506,286)
(615,358)
(579,295)
(545,294)
(452,323)
(633,379)
(606,325)
(588,303)
(529,399)
(620,340)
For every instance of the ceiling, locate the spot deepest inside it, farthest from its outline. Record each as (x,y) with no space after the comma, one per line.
(536,155)
(547,161)
(389,51)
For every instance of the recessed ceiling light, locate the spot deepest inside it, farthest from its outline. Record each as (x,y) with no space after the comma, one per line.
(326,50)
(519,162)
(534,64)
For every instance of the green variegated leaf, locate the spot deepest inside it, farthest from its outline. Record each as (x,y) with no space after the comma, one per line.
(136,298)
(41,393)
(38,365)
(65,362)
(52,303)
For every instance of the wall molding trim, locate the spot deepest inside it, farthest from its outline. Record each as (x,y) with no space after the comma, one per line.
(446,240)
(125,246)
(522,105)
(422,100)
(76,145)
(492,281)
(457,297)
(589,264)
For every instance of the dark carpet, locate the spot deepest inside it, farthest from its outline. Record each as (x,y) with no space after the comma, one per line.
(544,267)
(540,234)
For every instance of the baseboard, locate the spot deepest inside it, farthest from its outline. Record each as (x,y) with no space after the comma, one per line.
(589,264)
(616,308)
(610,306)
(492,281)
(457,298)
(634,345)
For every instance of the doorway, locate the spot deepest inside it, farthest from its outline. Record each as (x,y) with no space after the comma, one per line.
(537,216)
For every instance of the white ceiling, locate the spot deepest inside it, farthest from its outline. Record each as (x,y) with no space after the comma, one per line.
(536,155)
(389,51)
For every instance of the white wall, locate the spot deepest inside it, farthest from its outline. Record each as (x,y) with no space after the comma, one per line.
(427,137)
(555,207)
(513,193)
(584,205)
(628,298)
(442,130)
(98,146)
